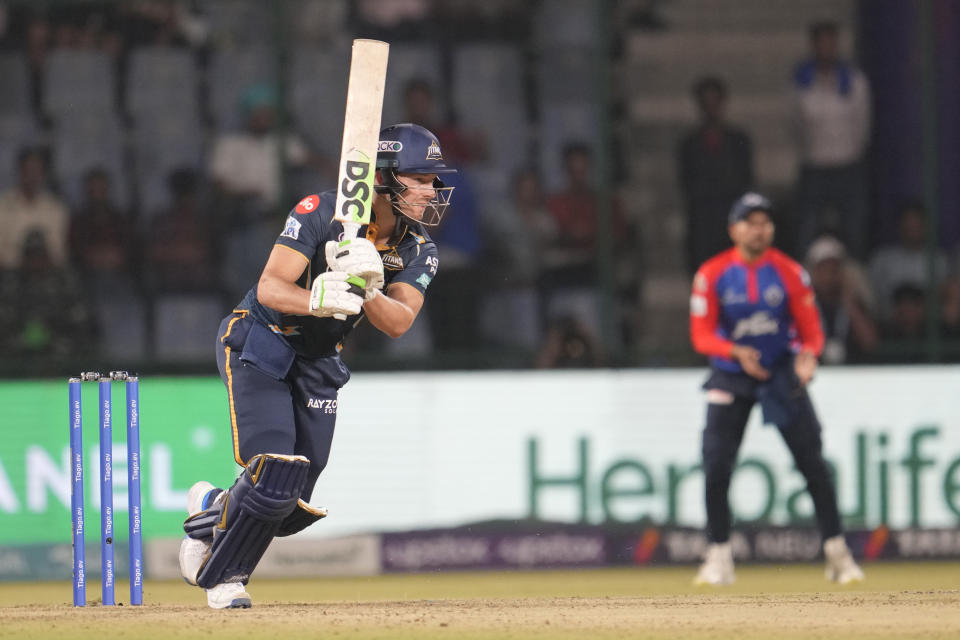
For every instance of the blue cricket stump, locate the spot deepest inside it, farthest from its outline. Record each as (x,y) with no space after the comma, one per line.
(106,492)
(133,489)
(106,486)
(76,494)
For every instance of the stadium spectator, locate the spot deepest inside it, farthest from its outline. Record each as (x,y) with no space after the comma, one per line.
(570,276)
(29,205)
(715,167)
(569,345)
(903,334)
(420,107)
(246,170)
(102,240)
(517,234)
(907,261)
(752,312)
(181,252)
(842,293)
(42,308)
(832,124)
(245,164)
(453,306)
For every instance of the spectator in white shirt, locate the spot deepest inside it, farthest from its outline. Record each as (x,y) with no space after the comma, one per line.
(247,171)
(29,206)
(833,118)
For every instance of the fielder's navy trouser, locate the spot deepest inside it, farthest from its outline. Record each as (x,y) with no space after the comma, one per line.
(722,435)
(278,403)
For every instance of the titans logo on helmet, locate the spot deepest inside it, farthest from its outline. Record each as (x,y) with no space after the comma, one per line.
(433,151)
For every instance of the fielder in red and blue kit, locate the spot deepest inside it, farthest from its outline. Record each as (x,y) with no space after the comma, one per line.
(754,315)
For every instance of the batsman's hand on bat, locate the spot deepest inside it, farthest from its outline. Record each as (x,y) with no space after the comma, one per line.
(358,257)
(336,294)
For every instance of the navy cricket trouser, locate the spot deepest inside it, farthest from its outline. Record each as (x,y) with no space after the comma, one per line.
(293,415)
(721,441)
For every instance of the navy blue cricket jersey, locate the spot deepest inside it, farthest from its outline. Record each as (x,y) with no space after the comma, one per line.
(309,226)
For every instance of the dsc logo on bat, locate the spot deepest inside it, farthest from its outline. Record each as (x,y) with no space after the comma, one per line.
(355,187)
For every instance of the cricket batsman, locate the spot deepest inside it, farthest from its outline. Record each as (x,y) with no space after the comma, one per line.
(278,354)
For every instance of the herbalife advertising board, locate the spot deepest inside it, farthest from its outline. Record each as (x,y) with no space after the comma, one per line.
(423,450)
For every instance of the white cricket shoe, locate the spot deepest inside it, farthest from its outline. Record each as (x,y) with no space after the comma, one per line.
(841,566)
(717,567)
(193,552)
(229,595)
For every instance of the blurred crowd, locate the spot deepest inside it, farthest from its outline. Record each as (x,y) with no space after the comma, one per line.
(137,206)
(874,297)
(141,193)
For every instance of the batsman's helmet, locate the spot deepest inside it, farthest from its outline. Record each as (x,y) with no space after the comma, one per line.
(410,148)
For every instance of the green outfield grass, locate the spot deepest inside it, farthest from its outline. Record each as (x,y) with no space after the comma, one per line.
(898,600)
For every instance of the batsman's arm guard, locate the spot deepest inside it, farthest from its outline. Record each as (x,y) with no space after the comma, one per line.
(262,498)
(301,518)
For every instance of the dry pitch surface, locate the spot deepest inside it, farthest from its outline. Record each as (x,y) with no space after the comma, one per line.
(897,601)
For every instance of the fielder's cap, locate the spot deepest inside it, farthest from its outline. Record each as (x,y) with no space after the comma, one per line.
(747,204)
(825,248)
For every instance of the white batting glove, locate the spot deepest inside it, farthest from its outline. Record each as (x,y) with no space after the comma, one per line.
(336,294)
(358,257)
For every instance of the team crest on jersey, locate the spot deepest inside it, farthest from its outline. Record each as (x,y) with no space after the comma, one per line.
(291,229)
(392,260)
(433,151)
(773,295)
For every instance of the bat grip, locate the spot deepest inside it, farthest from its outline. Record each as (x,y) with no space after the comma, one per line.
(350,230)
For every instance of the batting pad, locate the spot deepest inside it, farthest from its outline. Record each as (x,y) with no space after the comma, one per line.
(264,495)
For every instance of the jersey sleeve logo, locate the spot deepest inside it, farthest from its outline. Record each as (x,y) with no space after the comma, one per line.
(698,306)
(424,280)
(291,229)
(308,204)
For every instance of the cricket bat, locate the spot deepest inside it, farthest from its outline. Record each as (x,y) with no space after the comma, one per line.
(361,133)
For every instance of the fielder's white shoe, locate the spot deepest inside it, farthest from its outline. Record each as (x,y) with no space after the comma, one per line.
(193,552)
(717,567)
(841,566)
(229,595)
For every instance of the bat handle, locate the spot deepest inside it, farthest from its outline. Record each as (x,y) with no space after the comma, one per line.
(350,230)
